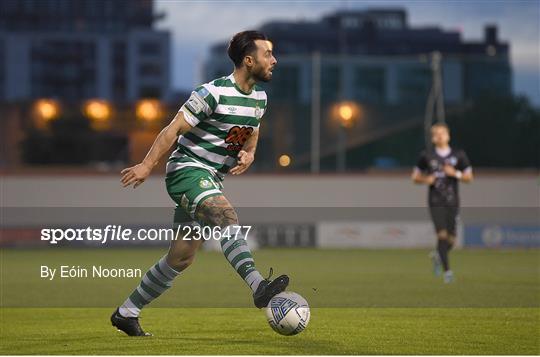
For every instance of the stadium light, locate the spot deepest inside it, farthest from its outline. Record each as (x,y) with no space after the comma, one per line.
(47,109)
(284,160)
(97,110)
(148,110)
(347,113)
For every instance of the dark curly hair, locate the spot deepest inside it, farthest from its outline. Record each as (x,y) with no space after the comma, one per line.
(243,44)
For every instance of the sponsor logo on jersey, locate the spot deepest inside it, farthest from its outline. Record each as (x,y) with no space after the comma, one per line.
(237,137)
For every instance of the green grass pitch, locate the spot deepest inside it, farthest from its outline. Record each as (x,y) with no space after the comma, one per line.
(363,302)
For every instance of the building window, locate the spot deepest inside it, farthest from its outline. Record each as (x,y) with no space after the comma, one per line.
(284,85)
(487,77)
(150,70)
(331,86)
(2,69)
(413,83)
(369,84)
(118,65)
(149,48)
(149,92)
(64,69)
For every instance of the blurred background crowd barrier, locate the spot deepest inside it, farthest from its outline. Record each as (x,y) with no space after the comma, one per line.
(370,211)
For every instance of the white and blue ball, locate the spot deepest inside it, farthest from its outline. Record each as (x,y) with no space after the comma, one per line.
(288,313)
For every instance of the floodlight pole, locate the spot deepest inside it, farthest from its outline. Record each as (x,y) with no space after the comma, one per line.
(341,159)
(342,149)
(435,101)
(315,112)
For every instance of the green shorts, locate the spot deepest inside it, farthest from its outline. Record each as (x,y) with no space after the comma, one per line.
(188,188)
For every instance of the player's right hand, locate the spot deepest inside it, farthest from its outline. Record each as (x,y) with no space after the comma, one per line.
(135,175)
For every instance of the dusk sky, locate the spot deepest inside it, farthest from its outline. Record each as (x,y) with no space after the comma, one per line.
(195,26)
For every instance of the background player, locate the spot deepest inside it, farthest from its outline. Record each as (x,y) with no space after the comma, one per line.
(442,168)
(216,131)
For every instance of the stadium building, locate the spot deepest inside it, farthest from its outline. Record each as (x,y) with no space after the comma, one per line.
(373,58)
(80,49)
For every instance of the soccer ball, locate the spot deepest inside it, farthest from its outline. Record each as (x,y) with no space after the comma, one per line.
(288,313)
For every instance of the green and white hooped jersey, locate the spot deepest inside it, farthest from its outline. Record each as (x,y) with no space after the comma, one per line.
(223,117)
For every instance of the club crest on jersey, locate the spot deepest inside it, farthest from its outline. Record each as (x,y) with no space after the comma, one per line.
(258,112)
(452,161)
(204,183)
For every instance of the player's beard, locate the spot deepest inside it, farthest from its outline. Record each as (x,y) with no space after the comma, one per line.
(260,75)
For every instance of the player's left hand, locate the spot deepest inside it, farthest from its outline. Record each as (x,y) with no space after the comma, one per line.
(244,162)
(449,170)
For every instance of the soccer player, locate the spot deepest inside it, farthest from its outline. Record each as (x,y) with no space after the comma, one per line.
(216,132)
(442,169)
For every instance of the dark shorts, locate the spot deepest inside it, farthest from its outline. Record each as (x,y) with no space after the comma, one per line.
(444,218)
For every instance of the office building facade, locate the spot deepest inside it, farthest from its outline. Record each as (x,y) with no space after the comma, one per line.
(80,49)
